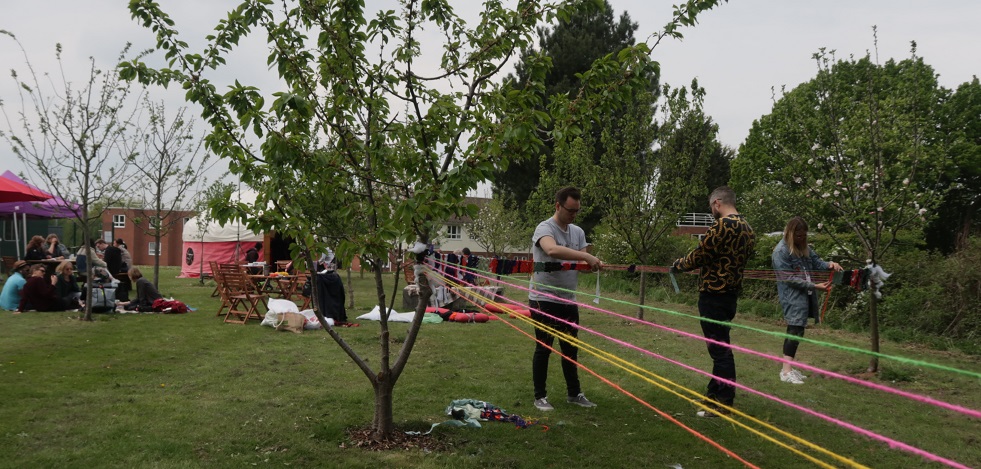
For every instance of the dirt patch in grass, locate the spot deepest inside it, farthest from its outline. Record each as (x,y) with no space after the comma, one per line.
(361,437)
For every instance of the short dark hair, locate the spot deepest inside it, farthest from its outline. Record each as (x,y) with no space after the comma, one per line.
(724,194)
(567,193)
(466,251)
(120,241)
(258,245)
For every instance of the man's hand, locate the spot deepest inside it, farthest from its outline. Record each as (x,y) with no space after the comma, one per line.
(594,262)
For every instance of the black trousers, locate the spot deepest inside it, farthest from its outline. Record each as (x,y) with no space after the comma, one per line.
(539,362)
(721,307)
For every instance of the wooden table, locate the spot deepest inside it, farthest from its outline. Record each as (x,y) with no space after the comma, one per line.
(282,285)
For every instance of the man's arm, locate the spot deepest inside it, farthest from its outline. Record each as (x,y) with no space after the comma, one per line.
(547,243)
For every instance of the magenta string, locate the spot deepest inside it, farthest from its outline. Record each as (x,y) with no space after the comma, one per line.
(892,443)
(879,387)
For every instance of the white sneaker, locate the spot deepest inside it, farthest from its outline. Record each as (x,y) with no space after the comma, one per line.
(543,405)
(790,377)
(797,372)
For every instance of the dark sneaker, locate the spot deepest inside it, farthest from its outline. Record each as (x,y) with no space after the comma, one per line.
(581,401)
(704,413)
(543,405)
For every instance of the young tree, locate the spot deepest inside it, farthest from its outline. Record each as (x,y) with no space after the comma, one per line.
(73,140)
(572,46)
(169,163)
(646,195)
(498,229)
(369,139)
(853,145)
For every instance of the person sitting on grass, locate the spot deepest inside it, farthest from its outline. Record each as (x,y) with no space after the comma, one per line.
(40,295)
(146,293)
(67,283)
(14,286)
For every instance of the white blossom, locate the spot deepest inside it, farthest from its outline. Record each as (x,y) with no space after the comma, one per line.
(819,182)
(797,179)
(906,182)
(880,209)
(825,195)
(815,146)
(922,211)
(837,193)
(761,201)
(861,163)
(820,226)
(810,161)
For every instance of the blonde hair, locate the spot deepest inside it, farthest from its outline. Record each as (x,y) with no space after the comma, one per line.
(60,270)
(134,273)
(794,225)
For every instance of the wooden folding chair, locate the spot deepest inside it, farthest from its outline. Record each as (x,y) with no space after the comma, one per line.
(218,270)
(214,275)
(298,282)
(244,301)
(221,291)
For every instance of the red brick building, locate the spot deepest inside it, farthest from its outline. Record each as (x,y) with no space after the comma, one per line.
(134,227)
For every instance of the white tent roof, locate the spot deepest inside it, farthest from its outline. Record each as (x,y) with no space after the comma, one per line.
(215,232)
(234,230)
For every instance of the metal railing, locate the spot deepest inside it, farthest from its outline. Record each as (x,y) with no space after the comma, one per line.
(696,219)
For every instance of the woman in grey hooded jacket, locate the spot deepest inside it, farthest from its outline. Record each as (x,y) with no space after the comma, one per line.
(796,265)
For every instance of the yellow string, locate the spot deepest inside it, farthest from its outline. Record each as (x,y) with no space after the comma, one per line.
(632,368)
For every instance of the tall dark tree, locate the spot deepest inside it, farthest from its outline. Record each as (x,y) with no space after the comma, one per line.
(572,46)
(959,216)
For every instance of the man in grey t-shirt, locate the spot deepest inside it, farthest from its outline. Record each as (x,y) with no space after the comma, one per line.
(555,240)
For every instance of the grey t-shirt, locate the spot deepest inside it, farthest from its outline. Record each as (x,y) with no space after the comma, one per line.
(574,238)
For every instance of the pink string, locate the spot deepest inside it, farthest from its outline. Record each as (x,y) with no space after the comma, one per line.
(870,434)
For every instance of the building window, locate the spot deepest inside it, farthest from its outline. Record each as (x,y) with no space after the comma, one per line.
(151,248)
(153,223)
(453,232)
(119,221)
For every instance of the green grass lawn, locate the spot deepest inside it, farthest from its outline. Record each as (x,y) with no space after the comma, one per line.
(189,391)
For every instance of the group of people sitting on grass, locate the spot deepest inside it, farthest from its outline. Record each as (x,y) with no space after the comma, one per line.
(30,288)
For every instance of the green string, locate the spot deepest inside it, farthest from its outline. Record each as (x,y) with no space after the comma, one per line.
(783,335)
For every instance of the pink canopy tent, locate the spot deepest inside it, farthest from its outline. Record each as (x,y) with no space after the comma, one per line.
(14,191)
(32,203)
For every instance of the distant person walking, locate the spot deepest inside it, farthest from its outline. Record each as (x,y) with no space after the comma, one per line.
(795,263)
(721,255)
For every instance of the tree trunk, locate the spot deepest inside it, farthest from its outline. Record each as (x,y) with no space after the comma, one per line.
(384,422)
(643,295)
(874,327)
(350,288)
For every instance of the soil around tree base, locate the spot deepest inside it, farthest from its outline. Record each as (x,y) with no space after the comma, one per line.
(361,437)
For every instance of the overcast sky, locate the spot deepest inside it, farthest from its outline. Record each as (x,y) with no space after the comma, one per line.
(738,52)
